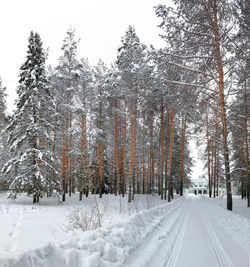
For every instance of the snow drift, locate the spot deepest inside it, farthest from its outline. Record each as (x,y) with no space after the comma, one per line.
(109,246)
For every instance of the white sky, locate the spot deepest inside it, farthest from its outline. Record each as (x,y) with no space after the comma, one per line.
(99,24)
(196,152)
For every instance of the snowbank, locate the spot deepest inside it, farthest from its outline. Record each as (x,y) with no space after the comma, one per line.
(109,246)
(21,222)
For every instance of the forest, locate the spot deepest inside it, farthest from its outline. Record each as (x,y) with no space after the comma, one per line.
(125,129)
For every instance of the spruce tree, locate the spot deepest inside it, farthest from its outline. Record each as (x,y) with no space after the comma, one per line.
(29,128)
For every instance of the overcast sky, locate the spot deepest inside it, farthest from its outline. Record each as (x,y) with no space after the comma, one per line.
(99,24)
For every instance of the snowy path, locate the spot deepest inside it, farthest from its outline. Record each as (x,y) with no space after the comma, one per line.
(190,237)
(155,251)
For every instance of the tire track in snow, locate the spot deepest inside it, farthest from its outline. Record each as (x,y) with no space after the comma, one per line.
(158,243)
(178,242)
(222,257)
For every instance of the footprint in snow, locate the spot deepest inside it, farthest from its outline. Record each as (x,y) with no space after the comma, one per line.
(15,232)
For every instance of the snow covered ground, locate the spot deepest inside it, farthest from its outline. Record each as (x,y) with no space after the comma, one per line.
(24,226)
(239,205)
(190,231)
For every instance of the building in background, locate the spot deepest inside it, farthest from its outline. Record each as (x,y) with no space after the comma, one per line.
(199,186)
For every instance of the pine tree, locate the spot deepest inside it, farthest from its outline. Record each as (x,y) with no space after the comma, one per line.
(198,37)
(129,61)
(80,176)
(66,85)
(100,86)
(29,128)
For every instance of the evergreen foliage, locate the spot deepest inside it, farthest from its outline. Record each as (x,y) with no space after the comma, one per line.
(29,140)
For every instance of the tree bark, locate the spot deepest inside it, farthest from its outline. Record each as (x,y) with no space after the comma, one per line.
(100,154)
(124,154)
(143,161)
(162,149)
(116,150)
(170,182)
(223,110)
(63,164)
(151,149)
(215,157)
(130,154)
(182,153)
(246,149)
(70,156)
(166,158)
(208,157)
(134,148)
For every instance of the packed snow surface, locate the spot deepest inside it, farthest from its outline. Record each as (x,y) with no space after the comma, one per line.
(191,231)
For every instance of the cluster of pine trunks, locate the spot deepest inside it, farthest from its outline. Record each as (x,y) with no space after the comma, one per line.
(148,173)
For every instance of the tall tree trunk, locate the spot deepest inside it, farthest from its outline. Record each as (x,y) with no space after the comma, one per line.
(54,150)
(83,183)
(120,156)
(243,182)
(217,175)
(162,149)
(100,155)
(124,154)
(170,182)
(153,170)
(215,157)
(183,137)
(66,153)
(88,175)
(212,166)
(151,149)
(208,157)
(149,183)
(63,163)
(134,148)
(138,179)
(143,160)
(166,158)
(159,168)
(70,156)
(223,110)
(130,154)
(246,148)
(116,150)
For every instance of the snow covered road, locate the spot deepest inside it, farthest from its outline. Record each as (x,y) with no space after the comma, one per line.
(191,231)
(161,247)
(192,237)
